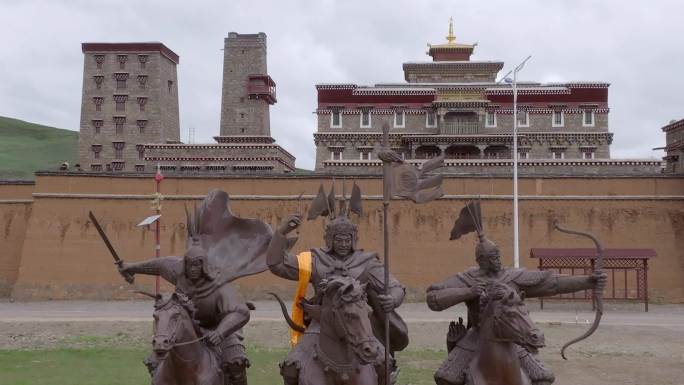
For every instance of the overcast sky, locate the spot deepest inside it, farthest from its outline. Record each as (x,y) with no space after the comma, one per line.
(637,46)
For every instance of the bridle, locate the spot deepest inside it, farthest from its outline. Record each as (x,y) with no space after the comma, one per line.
(354,344)
(172,336)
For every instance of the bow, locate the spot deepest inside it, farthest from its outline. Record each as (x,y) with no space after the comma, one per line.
(598,294)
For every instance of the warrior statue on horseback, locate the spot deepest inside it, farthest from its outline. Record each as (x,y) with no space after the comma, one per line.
(477,287)
(340,259)
(221,248)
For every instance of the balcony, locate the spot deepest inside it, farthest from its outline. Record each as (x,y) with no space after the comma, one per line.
(261,87)
(460,128)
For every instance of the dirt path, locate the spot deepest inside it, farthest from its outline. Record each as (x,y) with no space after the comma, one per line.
(616,354)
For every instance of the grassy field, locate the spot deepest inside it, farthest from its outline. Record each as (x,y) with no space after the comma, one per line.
(117,366)
(26,147)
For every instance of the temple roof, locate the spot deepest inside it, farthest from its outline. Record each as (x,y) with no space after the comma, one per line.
(451,51)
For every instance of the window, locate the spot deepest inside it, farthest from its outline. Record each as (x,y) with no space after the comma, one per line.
(430,119)
(139,168)
(365,155)
(98,81)
(587,154)
(558,154)
(95,167)
(118,149)
(141,103)
(142,81)
(120,101)
(141,152)
(99,59)
(170,85)
(97,125)
(122,61)
(121,80)
(336,154)
(96,150)
(588,118)
(399,119)
(557,119)
(142,59)
(98,100)
(491,119)
(523,119)
(365,119)
(118,166)
(141,126)
(119,122)
(523,154)
(336,119)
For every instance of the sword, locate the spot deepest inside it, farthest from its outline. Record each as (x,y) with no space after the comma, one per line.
(127,276)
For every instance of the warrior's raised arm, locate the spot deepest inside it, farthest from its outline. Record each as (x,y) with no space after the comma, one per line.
(169,268)
(279,261)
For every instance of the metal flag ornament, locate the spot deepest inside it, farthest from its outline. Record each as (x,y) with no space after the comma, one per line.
(417,185)
(469,220)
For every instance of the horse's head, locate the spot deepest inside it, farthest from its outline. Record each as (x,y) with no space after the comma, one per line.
(344,315)
(172,323)
(510,319)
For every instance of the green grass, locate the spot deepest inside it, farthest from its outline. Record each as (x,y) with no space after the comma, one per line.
(27,147)
(119,366)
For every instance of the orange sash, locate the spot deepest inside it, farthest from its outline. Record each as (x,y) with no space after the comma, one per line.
(304,262)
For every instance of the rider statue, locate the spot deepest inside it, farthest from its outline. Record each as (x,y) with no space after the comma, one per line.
(220,310)
(470,285)
(340,256)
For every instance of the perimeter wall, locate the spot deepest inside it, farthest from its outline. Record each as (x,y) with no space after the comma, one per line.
(51,251)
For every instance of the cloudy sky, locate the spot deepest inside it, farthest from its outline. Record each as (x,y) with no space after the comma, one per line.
(637,46)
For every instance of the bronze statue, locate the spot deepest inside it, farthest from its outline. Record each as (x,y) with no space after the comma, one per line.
(340,257)
(347,351)
(183,357)
(504,324)
(475,287)
(221,248)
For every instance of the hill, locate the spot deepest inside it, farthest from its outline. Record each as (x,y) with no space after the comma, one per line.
(26,147)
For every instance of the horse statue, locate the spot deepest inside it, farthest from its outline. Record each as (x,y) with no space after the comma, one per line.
(346,351)
(184,359)
(504,322)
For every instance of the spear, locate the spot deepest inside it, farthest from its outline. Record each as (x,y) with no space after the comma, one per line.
(386,196)
(404,180)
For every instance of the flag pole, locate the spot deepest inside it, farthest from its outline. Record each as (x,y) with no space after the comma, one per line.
(386,194)
(158,177)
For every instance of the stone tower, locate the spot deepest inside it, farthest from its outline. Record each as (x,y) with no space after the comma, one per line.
(248,91)
(130,98)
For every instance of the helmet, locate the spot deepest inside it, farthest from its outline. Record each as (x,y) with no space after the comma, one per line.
(196,251)
(485,247)
(340,225)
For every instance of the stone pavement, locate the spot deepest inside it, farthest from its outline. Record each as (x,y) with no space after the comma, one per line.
(626,314)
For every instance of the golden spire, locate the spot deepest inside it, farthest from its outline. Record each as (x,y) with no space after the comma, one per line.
(450,37)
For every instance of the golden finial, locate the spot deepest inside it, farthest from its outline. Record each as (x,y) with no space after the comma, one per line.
(450,38)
